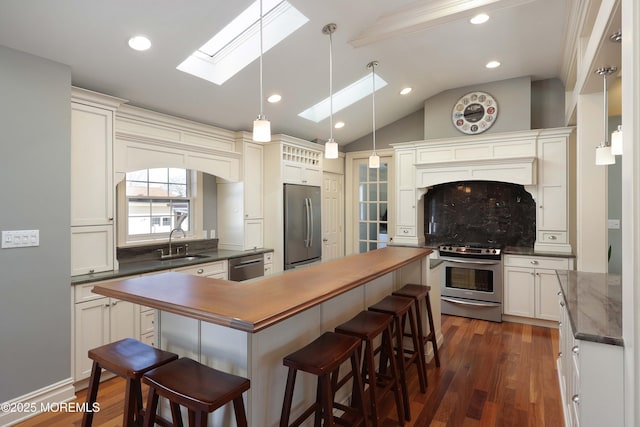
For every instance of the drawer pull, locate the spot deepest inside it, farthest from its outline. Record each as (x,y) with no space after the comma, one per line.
(92,271)
(200,271)
(575,349)
(534,262)
(552,237)
(405,231)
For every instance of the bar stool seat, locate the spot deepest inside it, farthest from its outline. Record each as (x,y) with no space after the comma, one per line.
(419,292)
(367,326)
(402,310)
(323,358)
(199,388)
(129,359)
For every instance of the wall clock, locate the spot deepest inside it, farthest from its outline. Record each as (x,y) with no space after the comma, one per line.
(474,113)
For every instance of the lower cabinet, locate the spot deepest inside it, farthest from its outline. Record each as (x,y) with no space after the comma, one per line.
(215,270)
(268,263)
(99,321)
(591,378)
(531,286)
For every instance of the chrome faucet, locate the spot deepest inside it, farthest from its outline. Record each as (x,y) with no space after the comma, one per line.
(184,235)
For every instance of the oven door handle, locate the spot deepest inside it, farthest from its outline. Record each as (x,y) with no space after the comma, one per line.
(470,261)
(476,304)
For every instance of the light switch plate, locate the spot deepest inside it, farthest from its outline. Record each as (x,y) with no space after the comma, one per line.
(20,238)
(614,224)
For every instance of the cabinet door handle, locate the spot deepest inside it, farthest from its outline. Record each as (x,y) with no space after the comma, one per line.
(575,349)
(200,271)
(113,304)
(576,399)
(107,305)
(92,271)
(561,303)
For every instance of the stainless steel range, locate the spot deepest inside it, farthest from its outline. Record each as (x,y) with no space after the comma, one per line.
(472,281)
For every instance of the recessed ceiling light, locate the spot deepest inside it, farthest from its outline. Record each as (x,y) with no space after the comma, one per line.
(274,98)
(339,125)
(479,19)
(493,64)
(139,43)
(343,98)
(406,90)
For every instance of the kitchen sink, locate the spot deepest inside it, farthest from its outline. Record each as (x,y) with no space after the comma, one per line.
(185,257)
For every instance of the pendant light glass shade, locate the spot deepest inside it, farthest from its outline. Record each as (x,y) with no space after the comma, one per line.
(331,146)
(616,141)
(604,155)
(331,149)
(261,126)
(374,159)
(261,129)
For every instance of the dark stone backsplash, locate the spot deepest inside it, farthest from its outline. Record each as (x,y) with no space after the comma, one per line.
(480,212)
(149,252)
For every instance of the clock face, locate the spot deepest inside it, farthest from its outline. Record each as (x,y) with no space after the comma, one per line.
(474,113)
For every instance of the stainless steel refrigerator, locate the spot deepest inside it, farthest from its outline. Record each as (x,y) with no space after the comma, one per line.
(302,228)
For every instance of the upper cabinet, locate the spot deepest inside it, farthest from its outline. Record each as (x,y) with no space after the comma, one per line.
(240,204)
(92,191)
(301,165)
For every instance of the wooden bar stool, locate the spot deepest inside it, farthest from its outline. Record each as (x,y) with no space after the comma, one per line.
(402,310)
(199,388)
(418,292)
(129,359)
(367,326)
(323,357)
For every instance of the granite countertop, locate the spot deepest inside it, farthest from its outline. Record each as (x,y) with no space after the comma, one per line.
(528,251)
(594,305)
(150,266)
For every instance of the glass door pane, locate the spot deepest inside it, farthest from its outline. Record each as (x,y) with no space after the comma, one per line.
(372,205)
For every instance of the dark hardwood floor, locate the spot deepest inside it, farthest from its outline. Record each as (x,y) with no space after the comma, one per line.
(491,374)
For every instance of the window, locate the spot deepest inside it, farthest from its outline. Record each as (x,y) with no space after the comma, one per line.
(373,203)
(157,201)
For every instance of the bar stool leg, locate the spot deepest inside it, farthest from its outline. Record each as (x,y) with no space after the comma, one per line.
(130,404)
(152,406)
(418,346)
(400,362)
(288,398)
(238,408)
(432,332)
(92,393)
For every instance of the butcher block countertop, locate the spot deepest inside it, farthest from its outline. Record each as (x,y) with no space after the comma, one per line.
(256,305)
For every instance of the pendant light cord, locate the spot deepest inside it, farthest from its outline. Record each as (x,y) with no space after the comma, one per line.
(606,107)
(373,101)
(261,95)
(331,86)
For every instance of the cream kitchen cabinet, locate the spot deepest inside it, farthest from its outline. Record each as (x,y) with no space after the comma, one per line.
(531,286)
(591,378)
(268,263)
(301,165)
(98,320)
(554,168)
(240,204)
(216,270)
(407,215)
(92,190)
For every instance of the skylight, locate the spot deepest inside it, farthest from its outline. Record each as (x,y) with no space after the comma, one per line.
(238,44)
(343,98)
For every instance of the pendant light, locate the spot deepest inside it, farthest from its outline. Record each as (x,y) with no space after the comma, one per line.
(331,146)
(374,159)
(603,151)
(616,141)
(261,126)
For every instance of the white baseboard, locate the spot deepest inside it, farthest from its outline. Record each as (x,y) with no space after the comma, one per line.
(31,404)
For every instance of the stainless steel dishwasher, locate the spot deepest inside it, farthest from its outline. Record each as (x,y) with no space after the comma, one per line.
(246,267)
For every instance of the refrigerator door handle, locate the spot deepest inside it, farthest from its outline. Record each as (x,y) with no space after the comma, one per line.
(310,223)
(308,218)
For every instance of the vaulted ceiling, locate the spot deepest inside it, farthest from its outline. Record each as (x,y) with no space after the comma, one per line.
(428,45)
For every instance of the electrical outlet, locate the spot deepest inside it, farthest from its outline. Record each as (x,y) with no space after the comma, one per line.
(20,238)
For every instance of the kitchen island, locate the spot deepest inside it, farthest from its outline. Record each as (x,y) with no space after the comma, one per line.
(247,328)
